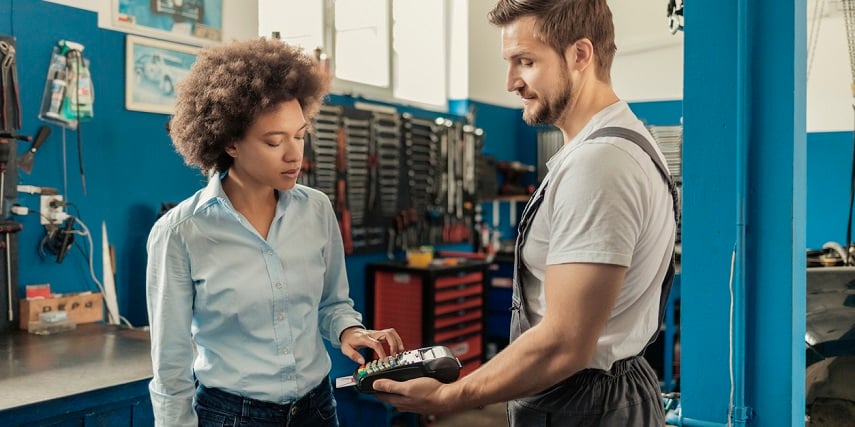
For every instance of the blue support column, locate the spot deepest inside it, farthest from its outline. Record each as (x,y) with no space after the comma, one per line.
(709,206)
(776,272)
(744,83)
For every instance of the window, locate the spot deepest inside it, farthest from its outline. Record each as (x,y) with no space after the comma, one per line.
(361,51)
(390,50)
(419,50)
(298,22)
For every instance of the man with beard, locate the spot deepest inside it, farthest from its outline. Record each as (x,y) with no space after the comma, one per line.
(594,250)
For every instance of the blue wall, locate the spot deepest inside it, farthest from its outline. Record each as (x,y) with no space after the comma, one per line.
(829,164)
(130,166)
(659,113)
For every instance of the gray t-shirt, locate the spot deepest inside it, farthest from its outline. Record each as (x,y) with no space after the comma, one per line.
(605,203)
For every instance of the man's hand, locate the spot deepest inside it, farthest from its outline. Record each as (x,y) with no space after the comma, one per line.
(354,338)
(421,395)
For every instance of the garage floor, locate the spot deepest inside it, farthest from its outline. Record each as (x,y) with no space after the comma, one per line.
(490,416)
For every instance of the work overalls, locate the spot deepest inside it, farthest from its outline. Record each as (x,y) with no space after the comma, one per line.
(626,395)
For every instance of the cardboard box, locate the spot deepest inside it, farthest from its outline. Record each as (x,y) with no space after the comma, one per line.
(81,308)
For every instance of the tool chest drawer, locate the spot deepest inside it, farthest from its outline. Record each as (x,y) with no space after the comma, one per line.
(459,292)
(436,305)
(458,316)
(459,280)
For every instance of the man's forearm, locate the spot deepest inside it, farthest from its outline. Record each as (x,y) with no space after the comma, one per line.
(535,361)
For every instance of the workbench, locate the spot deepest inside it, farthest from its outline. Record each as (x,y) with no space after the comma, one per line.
(94,375)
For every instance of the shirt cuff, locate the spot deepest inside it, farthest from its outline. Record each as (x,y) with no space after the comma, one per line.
(340,326)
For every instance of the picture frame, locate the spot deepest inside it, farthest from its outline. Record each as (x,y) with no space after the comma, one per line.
(153,69)
(196,22)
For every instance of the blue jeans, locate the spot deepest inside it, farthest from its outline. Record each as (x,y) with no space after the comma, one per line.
(215,407)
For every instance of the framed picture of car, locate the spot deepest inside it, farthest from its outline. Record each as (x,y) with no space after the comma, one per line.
(153,69)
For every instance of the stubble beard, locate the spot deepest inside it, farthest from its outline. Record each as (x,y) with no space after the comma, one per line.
(550,112)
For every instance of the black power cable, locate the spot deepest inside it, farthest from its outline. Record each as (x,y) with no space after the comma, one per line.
(58,240)
(78,56)
(849,20)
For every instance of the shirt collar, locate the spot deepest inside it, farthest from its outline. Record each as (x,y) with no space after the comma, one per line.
(594,123)
(214,193)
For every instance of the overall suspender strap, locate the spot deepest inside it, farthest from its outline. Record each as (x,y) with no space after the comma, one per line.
(644,144)
(520,321)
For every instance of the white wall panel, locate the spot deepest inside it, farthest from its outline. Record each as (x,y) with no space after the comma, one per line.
(487,69)
(829,98)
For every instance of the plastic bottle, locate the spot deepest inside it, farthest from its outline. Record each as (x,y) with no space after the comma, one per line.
(55,88)
(57,93)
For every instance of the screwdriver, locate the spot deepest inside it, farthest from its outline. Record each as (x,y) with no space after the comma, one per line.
(5,148)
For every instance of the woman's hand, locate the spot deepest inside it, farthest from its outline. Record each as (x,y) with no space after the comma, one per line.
(354,338)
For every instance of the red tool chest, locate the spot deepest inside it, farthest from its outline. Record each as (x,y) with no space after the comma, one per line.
(436,305)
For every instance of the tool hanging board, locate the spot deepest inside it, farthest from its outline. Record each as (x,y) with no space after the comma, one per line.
(395,181)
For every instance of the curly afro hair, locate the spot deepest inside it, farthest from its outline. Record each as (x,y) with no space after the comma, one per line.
(229,86)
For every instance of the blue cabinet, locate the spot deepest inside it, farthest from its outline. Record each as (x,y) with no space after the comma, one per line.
(120,405)
(500,275)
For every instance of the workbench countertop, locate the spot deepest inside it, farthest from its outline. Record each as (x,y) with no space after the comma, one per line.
(37,368)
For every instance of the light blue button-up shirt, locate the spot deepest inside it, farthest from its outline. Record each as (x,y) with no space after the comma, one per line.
(256,309)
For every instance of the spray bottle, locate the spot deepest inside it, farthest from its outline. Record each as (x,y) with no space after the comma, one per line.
(55,87)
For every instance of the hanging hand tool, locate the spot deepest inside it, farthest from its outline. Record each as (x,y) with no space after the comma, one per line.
(5,153)
(401,224)
(372,178)
(9,79)
(26,161)
(8,228)
(390,244)
(341,196)
(5,148)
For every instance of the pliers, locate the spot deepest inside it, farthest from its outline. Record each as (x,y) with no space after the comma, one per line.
(7,73)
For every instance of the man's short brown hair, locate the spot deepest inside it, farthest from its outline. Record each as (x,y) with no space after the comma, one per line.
(561,23)
(229,86)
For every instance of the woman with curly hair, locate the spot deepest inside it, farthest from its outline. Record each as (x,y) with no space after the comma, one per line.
(250,270)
